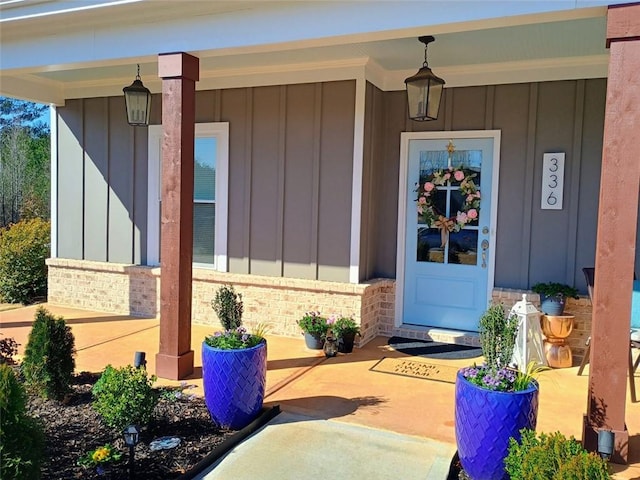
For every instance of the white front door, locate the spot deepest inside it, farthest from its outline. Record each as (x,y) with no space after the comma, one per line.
(446,227)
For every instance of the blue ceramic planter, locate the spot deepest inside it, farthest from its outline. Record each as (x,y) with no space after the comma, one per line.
(485,420)
(234,383)
(553,305)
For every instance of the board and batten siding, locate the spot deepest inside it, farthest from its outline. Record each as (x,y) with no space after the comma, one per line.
(533,245)
(290,178)
(102,190)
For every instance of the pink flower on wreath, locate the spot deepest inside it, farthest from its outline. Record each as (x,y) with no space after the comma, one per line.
(447,176)
(470,197)
(459,175)
(420,210)
(472,214)
(429,186)
(422,200)
(331,320)
(461,218)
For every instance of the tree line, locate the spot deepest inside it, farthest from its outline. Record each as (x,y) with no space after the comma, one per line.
(25,176)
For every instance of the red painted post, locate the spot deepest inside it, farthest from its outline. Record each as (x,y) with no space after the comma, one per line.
(616,238)
(179,72)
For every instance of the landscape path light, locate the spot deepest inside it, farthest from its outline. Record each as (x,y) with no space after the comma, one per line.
(131,436)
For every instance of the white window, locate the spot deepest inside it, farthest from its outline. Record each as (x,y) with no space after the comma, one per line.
(211,175)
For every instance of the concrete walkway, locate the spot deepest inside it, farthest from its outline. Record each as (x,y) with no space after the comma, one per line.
(350,408)
(291,444)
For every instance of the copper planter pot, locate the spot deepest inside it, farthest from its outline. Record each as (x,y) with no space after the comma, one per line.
(557,326)
(556,329)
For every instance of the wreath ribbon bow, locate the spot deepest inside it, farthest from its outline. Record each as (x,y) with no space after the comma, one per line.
(445,225)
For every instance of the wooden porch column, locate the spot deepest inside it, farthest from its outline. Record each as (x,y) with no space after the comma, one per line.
(179,72)
(616,239)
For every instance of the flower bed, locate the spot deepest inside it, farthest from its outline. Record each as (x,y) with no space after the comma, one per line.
(73,428)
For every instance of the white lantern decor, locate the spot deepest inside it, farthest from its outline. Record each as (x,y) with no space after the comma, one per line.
(529,340)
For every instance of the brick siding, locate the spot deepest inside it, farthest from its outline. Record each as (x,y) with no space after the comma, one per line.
(279,302)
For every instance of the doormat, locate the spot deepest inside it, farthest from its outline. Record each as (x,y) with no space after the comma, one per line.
(445,351)
(416,369)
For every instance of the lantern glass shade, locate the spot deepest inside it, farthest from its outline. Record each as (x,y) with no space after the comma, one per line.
(131,435)
(424,93)
(138,102)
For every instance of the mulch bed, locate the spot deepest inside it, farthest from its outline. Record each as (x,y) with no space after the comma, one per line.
(73,428)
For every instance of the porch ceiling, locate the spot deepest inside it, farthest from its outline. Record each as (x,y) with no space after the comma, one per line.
(86,52)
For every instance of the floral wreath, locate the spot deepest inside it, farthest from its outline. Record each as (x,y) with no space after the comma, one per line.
(455,176)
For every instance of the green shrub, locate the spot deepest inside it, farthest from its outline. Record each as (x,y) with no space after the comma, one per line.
(48,362)
(21,448)
(24,246)
(124,396)
(498,331)
(552,457)
(228,306)
(587,466)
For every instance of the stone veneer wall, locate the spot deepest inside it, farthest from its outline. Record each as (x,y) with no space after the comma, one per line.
(580,308)
(279,302)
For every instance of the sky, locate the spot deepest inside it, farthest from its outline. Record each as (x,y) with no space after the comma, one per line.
(45,118)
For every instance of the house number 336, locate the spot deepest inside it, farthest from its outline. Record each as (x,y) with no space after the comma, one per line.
(552,181)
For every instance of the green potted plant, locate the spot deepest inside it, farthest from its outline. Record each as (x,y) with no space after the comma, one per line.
(314,327)
(345,329)
(552,457)
(553,296)
(493,402)
(234,365)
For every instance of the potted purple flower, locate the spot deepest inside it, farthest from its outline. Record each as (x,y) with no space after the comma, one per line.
(314,328)
(234,365)
(493,402)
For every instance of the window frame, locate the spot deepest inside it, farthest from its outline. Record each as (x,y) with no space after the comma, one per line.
(220,131)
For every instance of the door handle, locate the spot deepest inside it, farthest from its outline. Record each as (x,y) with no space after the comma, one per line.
(485,247)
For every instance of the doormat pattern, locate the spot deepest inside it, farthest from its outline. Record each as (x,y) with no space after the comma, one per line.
(416,369)
(419,348)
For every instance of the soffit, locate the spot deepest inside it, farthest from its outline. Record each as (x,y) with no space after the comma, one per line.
(394,54)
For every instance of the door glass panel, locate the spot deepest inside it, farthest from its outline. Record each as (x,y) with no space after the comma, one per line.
(470,160)
(432,160)
(463,247)
(438,201)
(429,246)
(457,200)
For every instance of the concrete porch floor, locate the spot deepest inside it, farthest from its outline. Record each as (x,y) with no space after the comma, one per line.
(343,389)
